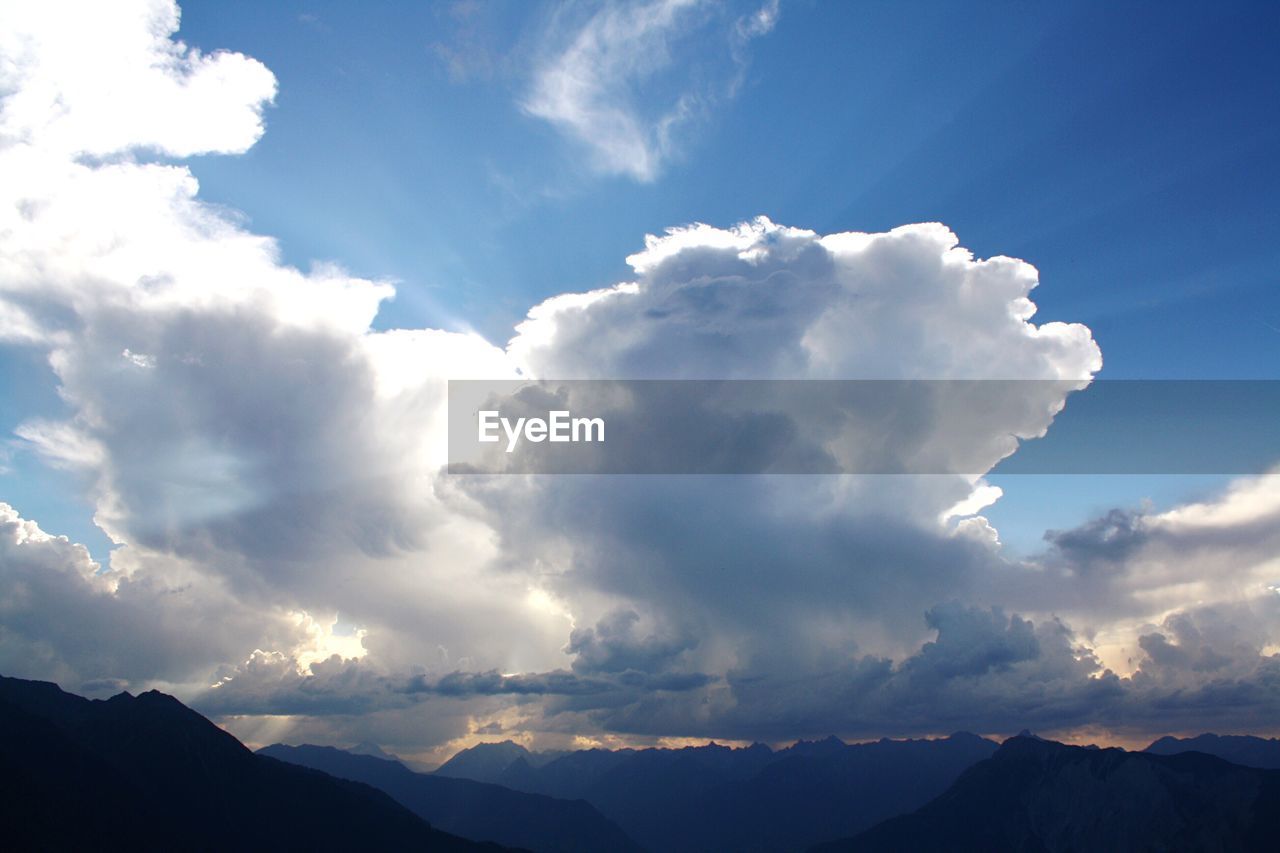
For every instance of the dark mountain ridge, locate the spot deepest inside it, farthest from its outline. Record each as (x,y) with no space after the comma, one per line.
(1037,795)
(1245,750)
(147,773)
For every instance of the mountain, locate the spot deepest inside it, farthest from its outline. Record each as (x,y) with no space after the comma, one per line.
(1036,795)
(752,799)
(828,746)
(370,748)
(472,809)
(484,762)
(1247,750)
(807,796)
(147,773)
(573,775)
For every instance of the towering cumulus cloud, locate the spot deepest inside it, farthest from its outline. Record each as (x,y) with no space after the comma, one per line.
(290,552)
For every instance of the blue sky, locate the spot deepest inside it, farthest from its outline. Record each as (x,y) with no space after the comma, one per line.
(1108,146)
(260,436)
(1103,143)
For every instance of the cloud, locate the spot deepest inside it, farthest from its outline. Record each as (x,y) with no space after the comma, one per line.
(468,50)
(617,644)
(269,466)
(983,670)
(117,81)
(271,683)
(1107,539)
(778,569)
(617,83)
(762,300)
(64,618)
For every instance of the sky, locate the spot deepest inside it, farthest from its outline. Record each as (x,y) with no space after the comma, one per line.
(245,245)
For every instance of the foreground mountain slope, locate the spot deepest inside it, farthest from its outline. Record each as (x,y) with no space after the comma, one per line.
(148,773)
(468,808)
(1035,795)
(1246,750)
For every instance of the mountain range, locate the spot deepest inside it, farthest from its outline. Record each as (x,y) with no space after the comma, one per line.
(147,773)
(751,799)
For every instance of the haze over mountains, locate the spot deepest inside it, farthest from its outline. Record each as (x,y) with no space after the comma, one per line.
(148,773)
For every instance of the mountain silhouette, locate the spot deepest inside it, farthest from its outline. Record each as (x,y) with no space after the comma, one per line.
(484,762)
(751,799)
(472,809)
(1037,795)
(147,773)
(1247,750)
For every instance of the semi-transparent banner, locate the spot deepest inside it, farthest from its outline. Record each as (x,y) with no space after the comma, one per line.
(965,427)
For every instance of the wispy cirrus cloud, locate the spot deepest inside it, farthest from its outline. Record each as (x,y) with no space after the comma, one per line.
(628,82)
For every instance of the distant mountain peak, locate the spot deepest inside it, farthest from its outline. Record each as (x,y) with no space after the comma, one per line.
(1027,734)
(367,747)
(828,745)
(484,762)
(963,735)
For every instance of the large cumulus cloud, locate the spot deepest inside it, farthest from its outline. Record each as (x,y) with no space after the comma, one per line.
(772,575)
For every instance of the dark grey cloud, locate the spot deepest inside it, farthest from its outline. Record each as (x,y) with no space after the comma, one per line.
(983,671)
(272,685)
(1108,539)
(617,644)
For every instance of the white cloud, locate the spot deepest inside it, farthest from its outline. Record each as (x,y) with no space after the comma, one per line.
(760,22)
(248,441)
(116,80)
(604,83)
(761,300)
(1126,573)
(62,444)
